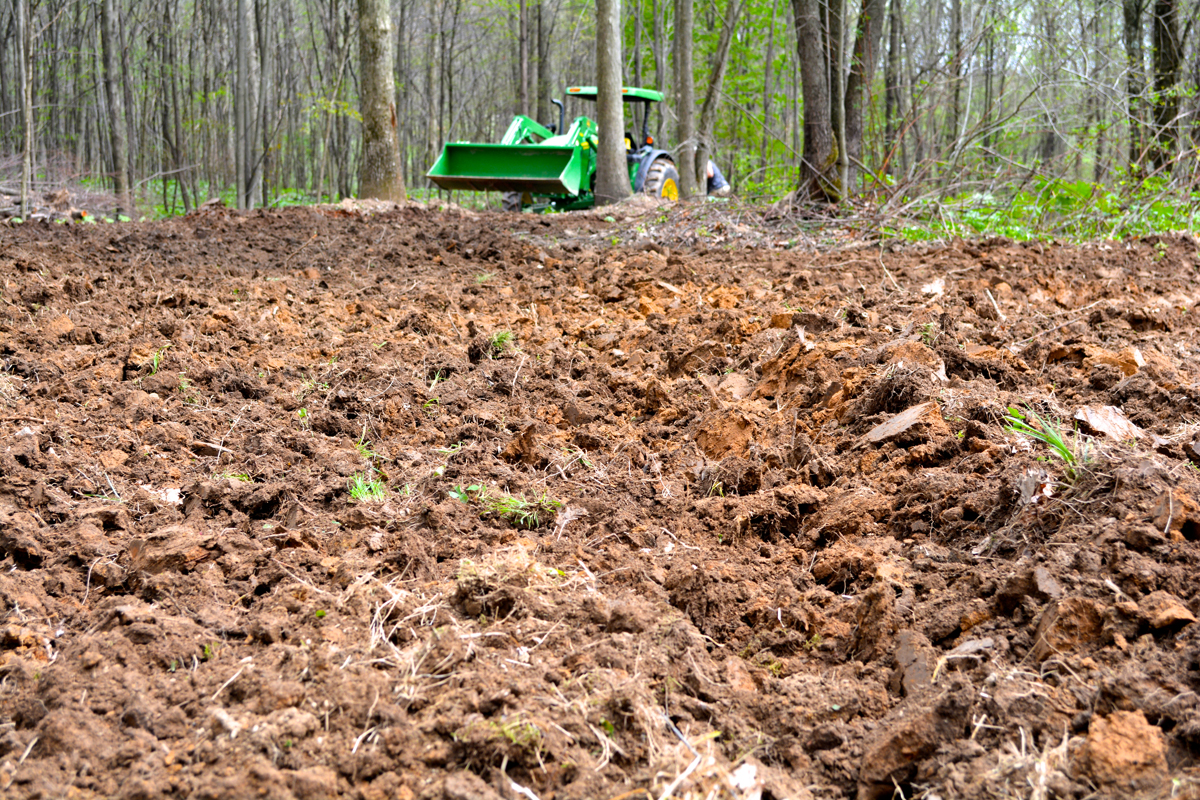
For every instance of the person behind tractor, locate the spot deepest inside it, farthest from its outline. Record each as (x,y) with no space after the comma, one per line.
(717,185)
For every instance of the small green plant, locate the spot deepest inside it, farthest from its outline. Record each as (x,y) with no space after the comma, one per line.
(929,333)
(520,511)
(775,667)
(1048,432)
(431,406)
(465,494)
(363,446)
(499,342)
(185,389)
(244,477)
(157,358)
(717,488)
(813,642)
(367,489)
(319,613)
(305,419)
(575,454)
(309,386)
(484,277)
(451,449)
(210,651)
(609,729)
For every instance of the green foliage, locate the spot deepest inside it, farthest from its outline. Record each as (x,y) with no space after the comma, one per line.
(499,342)
(1050,433)
(1054,208)
(158,355)
(366,488)
(519,511)
(363,446)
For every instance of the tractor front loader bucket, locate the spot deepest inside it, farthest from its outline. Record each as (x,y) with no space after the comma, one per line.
(538,169)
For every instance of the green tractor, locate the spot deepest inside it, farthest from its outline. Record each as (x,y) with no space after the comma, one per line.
(543,168)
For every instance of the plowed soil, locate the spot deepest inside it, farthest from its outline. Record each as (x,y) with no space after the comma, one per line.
(668,504)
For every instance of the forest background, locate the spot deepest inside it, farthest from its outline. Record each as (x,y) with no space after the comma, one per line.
(1016,117)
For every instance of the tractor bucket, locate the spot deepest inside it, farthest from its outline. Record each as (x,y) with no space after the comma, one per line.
(537,169)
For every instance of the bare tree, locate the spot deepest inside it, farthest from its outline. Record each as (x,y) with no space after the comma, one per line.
(685,99)
(380,175)
(612,176)
(1135,77)
(818,180)
(112,94)
(1168,63)
(24,62)
(862,74)
(712,96)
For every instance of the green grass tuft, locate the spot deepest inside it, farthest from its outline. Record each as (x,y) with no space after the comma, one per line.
(367,489)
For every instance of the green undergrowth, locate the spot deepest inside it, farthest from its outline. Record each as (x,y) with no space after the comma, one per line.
(1054,209)
(520,511)
(1052,433)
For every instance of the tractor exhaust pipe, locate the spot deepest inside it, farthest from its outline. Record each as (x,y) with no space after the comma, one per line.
(562,114)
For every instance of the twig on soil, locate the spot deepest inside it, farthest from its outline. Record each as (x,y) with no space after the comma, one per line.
(996,306)
(363,737)
(889,275)
(370,728)
(311,239)
(88,585)
(676,538)
(521,790)
(680,778)
(606,748)
(232,678)
(1170,511)
(25,755)
(297,578)
(633,793)
(1078,312)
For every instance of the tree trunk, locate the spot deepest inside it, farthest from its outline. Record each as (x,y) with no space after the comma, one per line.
(1168,63)
(768,88)
(612,173)
(956,71)
(712,96)
(380,176)
(685,99)
(25,82)
(835,44)
(1135,79)
(523,57)
(894,98)
(858,85)
(818,175)
(112,95)
(241,97)
(659,9)
(637,109)
(545,27)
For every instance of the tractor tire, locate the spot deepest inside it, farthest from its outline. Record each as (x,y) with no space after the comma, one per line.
(511,201)
(662,180)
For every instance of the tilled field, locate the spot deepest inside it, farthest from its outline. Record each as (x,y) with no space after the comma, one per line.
(434,505)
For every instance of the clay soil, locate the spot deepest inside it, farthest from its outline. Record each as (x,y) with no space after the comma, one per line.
(671,503)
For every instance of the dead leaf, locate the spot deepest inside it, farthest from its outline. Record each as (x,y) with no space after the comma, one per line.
(1110,421)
